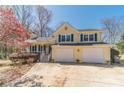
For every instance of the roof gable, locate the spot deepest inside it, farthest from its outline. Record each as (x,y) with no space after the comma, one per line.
(64,26)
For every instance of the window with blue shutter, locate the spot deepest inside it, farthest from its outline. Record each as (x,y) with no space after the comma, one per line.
(81,37)
(95,36)
(72,37)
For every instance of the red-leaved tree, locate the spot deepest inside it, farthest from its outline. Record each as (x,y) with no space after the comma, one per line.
(12,33)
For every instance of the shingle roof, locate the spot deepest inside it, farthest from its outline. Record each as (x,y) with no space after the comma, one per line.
(89,30)
(83,44)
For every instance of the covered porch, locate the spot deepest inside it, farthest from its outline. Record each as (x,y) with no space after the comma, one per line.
(41,45)
(40,48)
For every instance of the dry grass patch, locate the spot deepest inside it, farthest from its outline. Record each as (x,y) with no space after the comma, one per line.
(10,72)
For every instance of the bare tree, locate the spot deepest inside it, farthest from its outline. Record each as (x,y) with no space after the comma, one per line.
(112,29)
(24,14)
(43,17)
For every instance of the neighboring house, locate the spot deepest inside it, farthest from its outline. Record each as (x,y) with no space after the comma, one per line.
(71,45)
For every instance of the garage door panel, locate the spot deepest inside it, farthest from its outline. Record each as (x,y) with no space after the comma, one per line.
(93,55)
(65,55)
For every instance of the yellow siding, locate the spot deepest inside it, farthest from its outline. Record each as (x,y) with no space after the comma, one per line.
(69,31)
(76,33)
(107,54)
(92,32)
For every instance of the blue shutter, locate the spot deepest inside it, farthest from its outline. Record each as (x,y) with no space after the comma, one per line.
(95,36)
(81,37)
(59,39)
(72,37)
(64,38)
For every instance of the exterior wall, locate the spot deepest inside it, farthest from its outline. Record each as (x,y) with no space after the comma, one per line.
(79,49)
(62,31)
(92,32)
(71,30)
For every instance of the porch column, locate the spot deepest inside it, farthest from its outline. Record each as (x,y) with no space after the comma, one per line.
(47,49)
(37,50)
(41,49)
(34,48)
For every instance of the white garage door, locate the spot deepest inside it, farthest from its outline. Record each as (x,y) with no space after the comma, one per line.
(64,55)
(93,55)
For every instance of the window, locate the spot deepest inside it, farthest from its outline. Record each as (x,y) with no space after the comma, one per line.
(91,37)
(85,37)
(81,37)
(63,38)
(39,48)
(68,38)
(35,49)
(32,48)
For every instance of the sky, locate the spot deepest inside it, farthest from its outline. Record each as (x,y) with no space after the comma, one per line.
(83,16)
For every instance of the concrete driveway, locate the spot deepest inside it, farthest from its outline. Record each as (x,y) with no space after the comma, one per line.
(78,75)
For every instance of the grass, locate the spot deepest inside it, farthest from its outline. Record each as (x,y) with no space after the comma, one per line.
(4,63)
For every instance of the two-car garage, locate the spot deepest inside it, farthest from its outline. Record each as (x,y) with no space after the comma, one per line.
(88,54)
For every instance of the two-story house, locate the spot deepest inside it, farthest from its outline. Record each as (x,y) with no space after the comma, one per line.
(72,45)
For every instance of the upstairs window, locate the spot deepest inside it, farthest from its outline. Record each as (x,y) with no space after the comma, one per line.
(63,38)
(85,37)
(91,37)
(68,38)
